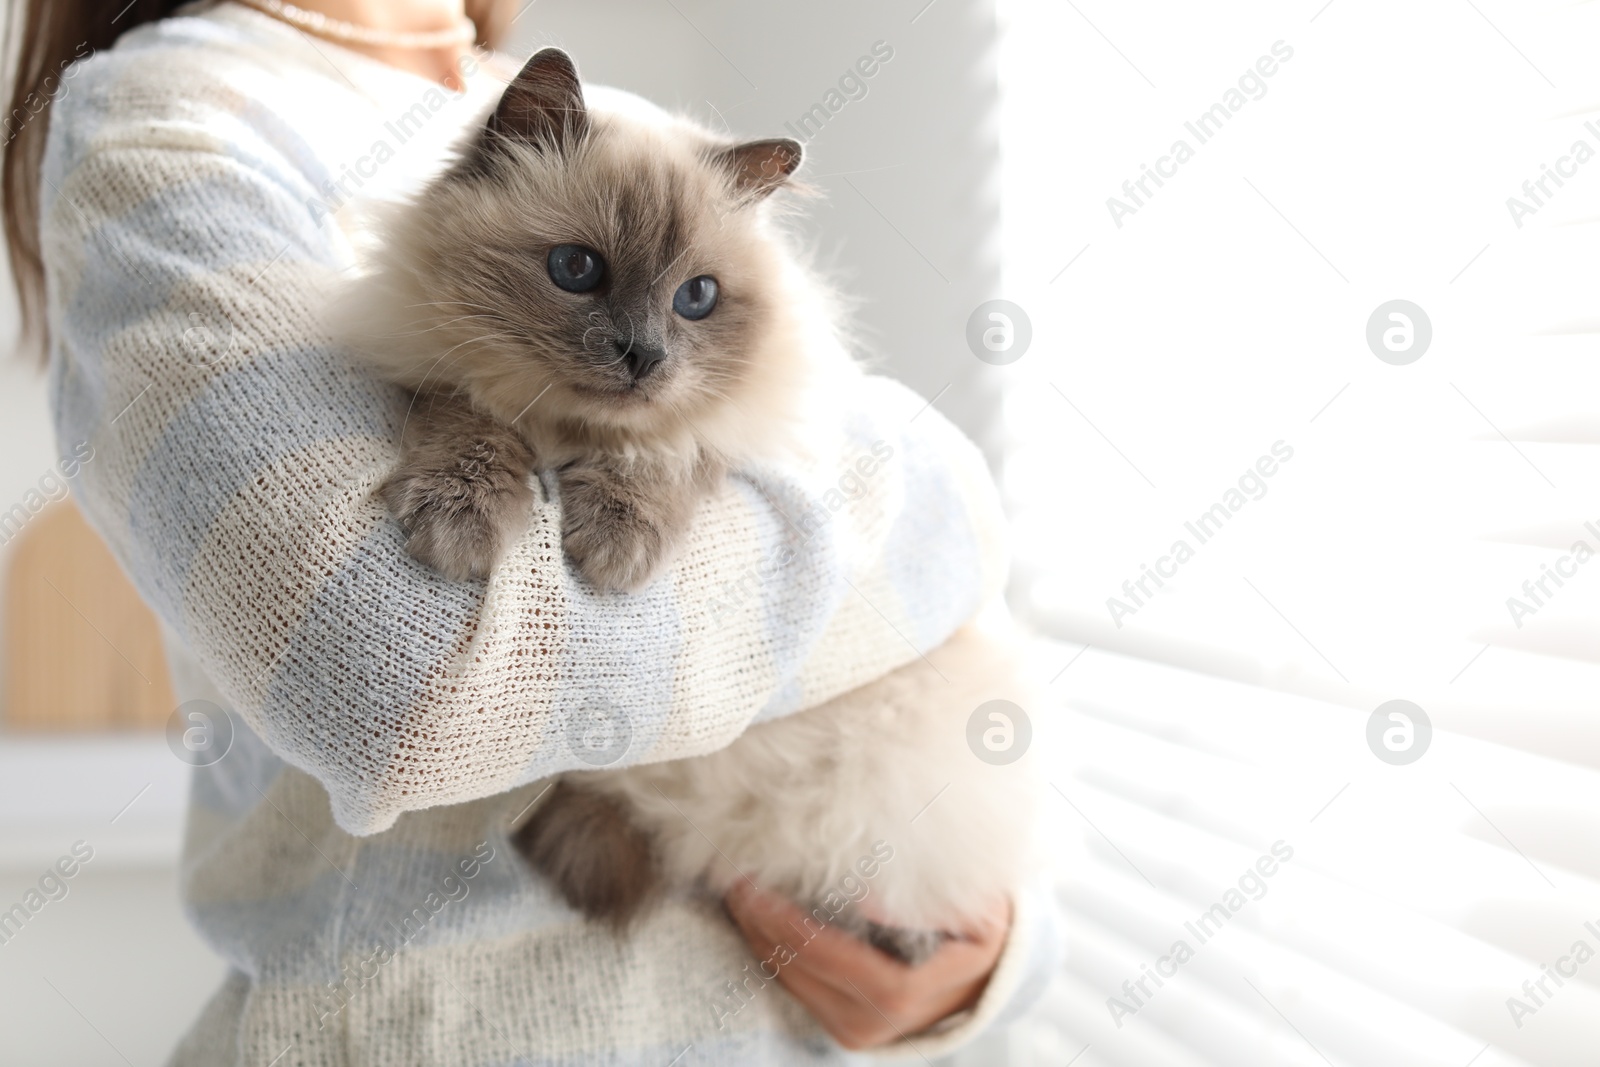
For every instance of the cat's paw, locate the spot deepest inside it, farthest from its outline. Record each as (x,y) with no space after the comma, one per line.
(459,520)
(588,848)
(911,947)
(610,533)
(620,555)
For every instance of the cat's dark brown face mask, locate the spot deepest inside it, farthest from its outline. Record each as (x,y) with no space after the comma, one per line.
(622,270)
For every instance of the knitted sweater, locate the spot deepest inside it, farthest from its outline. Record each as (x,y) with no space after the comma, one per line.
(203,190)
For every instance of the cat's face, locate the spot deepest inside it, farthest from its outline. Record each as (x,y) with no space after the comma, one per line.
(617,272)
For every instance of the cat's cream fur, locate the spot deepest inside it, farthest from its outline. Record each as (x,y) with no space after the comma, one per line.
(510,374)
(796,802)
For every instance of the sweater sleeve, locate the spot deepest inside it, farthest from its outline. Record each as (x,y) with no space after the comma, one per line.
(234,455)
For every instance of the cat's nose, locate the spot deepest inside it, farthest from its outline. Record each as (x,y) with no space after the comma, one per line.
(640,360)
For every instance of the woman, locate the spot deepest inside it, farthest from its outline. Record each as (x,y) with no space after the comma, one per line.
(182,188)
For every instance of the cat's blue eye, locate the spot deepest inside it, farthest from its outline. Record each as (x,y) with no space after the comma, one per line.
(696,298)
(575,268)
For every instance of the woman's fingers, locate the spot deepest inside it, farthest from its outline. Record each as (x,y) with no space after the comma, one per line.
(848,1019)
(828,952)
(861,996)
(833,955)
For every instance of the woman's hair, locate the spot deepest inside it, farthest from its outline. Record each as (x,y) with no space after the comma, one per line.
(44,37)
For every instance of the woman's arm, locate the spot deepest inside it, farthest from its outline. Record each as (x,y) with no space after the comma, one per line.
(235,454)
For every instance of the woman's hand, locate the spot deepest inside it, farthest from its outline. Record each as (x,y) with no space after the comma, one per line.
(862,997)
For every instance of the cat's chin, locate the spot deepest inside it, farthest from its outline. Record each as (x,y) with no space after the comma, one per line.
(622,407)
(630,410)
(612,394)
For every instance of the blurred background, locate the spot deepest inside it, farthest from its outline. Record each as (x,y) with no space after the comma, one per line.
(1186,332)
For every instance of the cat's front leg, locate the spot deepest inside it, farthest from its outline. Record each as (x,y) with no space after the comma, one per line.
(622,519)
(461,489)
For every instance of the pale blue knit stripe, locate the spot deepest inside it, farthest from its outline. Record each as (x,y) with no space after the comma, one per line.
(930,565)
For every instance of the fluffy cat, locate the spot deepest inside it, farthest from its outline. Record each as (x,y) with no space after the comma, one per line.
(602,293)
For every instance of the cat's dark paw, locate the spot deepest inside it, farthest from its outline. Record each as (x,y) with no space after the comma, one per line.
(460,520)
(911,947)
(585,845)
(613,535)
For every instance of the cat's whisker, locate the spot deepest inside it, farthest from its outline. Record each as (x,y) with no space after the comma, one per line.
(668,267)
(453,303)
(492,321)
(509,331)
(532,402)
(488,315)
(442,325)
(421,385)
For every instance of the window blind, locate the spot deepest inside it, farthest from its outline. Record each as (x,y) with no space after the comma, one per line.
(1318,163)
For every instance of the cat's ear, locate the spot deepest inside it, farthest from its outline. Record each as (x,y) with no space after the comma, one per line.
(543,105)
(759,167)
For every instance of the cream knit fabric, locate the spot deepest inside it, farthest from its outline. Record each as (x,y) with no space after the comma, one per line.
(203,190)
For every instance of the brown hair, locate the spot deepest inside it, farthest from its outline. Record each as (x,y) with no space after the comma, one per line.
(46,36)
